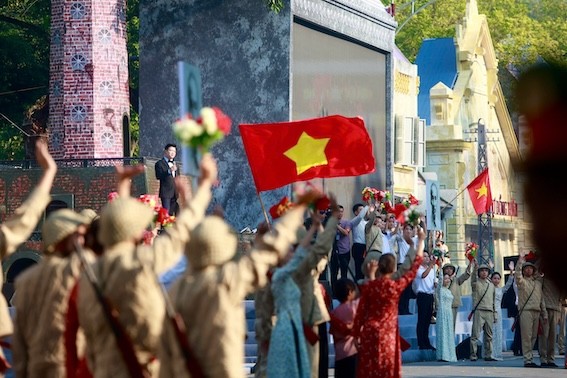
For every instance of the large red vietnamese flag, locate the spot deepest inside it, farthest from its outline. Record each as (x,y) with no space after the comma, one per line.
(286,152)
(479,191)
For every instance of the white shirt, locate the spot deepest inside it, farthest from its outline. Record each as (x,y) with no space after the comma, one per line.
(425,285)
(358,223)
(403,246)
(386,245)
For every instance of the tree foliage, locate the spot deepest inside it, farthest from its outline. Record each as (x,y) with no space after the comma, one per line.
(24,58)
(522,31)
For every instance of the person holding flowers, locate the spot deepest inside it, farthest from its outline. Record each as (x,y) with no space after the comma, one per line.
(376,323)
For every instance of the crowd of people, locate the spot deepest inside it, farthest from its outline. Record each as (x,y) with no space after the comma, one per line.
(105,313)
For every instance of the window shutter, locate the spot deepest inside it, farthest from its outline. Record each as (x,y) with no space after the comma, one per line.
(399,144)
(419,142)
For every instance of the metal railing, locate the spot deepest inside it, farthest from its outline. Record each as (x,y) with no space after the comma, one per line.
(77,163)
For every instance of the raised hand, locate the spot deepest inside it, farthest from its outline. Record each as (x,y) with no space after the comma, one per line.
(209,170)
(511,265)
(372,268)
(124,174)
(309,197)
(43,157)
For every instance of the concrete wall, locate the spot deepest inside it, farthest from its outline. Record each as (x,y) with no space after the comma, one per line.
(243,51)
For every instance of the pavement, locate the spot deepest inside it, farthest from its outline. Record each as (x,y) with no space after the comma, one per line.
(510,366)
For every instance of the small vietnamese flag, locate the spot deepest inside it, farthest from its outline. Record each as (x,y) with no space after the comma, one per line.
(479,191)
(287,152)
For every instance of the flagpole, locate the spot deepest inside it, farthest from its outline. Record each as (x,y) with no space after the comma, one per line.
(264,210)
(454,198)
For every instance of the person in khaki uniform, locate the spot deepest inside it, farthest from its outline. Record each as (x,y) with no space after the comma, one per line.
(373,231)
(552,299)
(485,315)
(19,226)
(455,286)
(209,296)
(313,308)
(531,306)
(126,274)
(561,334)
(263,324)
(42,292)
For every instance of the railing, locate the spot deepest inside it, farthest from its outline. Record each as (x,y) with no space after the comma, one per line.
(77,163)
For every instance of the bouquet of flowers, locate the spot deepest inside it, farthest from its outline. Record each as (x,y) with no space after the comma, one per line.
(161,214)
(440,254)
(281,207)
(405,211)
(471,251)
(203,132)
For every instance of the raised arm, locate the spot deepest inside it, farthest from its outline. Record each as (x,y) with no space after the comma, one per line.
(370,217)
(356,220)
(466,275)
(474,275)
(168,248)
(510,280)
(518,272)
(16,229)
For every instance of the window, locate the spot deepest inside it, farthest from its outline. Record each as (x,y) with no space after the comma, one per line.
(77,10)
(106,88)
(410,141)
(78,62)
(78,113)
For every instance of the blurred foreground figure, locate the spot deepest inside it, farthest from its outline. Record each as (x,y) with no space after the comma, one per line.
(542,100)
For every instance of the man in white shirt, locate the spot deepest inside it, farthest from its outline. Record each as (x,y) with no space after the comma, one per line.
(424,288)
(400,245)
(358,238)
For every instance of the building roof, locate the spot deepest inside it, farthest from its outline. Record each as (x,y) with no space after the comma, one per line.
(436,62)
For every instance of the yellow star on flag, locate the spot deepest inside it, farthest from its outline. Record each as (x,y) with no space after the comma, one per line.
(308,152)
(482,191)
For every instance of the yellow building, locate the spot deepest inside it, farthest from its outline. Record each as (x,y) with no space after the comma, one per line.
(460,88)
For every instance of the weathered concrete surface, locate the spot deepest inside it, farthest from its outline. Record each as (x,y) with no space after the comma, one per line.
(242,50)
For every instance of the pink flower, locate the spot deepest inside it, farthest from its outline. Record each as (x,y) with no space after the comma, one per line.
(112,196)
(223,121)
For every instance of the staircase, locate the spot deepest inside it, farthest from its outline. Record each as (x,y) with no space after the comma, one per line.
(407,325)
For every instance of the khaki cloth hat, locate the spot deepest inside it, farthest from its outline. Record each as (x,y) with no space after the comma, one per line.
(449,265)
(59,225)
(123,219)
(372,255)
(90,214)
(212,242)
(527,263)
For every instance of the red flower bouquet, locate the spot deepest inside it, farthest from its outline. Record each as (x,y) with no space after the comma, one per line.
(281,208)
(202,133)
(471,251)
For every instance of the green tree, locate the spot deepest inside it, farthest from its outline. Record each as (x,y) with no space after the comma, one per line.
(24,58)
(521,30)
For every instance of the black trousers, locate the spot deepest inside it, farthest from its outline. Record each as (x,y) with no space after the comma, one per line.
(424,304)
(346,368)
(357,251)
(170,204)
(323,351)
(403,305)
(339,261)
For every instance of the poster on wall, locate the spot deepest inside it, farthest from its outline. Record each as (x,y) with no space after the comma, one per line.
(433,210)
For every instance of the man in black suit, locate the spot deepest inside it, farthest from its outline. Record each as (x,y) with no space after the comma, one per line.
(166,170)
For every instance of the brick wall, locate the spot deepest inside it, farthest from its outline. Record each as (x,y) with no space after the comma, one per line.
(88,186)
(89,95)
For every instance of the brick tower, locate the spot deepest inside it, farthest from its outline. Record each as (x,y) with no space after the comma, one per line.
(88,86)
